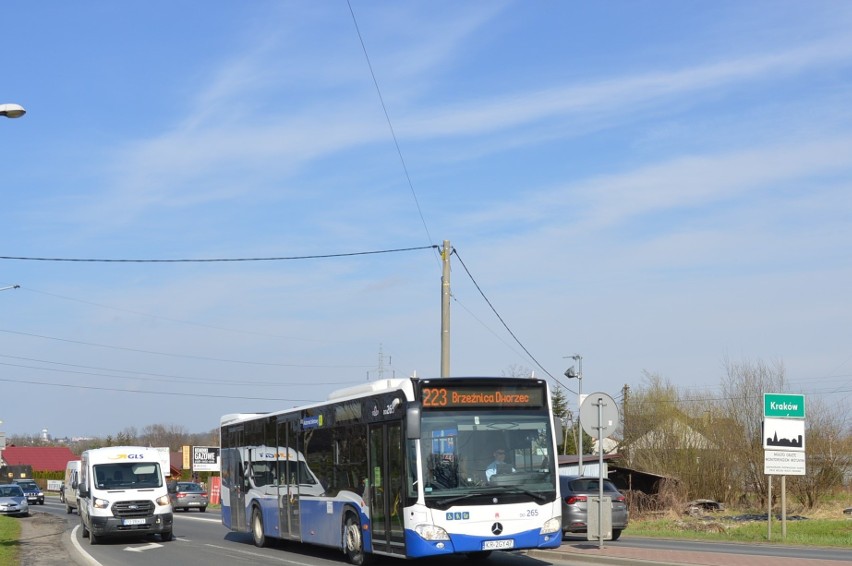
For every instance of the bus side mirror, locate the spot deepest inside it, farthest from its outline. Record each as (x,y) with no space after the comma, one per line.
(557,428)
(412,422)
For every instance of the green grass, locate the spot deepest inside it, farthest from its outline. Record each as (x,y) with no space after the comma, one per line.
(10,532)
(809,532)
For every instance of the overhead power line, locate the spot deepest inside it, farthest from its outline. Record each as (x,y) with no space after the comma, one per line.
(390,124)
(503,322)
(216,260)
(170,393)
(187,356)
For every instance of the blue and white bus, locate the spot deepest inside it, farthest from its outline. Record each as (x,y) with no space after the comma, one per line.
(399,467)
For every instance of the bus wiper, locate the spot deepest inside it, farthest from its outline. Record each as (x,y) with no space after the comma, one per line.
(444,503)
(515,490)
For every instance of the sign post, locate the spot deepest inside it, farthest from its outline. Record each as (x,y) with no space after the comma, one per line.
(783,445)
(599,415)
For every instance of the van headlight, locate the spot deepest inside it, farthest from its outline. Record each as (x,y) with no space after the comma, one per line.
(551,526)
(163,500)
(100,503)
(431,532)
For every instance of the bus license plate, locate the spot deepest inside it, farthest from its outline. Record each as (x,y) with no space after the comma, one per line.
(498,544)
(133,522)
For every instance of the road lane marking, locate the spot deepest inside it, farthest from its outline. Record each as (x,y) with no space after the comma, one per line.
(259,555)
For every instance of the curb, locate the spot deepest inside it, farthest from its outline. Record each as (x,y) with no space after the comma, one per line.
(75,552)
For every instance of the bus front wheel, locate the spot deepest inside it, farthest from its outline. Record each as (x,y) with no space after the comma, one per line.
(352,541)
(257,528)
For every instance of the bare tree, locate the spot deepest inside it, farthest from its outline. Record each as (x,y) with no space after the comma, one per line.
(742,391)
(158,435)
(515,370)
(827,459)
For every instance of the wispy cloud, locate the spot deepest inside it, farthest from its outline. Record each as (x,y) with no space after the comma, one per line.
(683,182)
(620,95)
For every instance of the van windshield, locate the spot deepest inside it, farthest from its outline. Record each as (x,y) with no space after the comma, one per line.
(125,475)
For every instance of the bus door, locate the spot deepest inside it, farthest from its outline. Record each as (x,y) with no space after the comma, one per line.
(238,482)
(288,482)
(386,479)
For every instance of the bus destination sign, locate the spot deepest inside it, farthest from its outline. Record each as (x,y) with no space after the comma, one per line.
(454,396)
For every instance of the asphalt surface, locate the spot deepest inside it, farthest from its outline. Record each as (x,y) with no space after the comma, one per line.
(617,555)
(46,542)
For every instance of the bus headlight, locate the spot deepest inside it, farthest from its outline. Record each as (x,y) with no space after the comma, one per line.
(551,526)
(100,503)
(431,532)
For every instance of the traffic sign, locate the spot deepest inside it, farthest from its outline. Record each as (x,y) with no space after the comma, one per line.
(783,405)
(784,434)
(783,463)
(589,414)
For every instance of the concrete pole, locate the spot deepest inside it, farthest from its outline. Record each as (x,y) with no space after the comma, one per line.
(579,359)
(445,310)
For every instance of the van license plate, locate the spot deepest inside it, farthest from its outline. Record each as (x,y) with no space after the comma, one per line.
(498,544)
(133,522)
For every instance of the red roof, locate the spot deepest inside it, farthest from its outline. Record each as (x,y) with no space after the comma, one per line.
(41,458)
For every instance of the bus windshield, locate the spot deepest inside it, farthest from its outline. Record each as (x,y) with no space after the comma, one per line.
(466,454)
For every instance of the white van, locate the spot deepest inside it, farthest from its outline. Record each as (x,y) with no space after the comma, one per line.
(69,487)
(122,491)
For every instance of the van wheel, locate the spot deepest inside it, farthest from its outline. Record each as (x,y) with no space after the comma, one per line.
(202,509)
(85,531)
(68,509)
(93,538)
(616,533)
(167,536)
(257,528)
(353,543)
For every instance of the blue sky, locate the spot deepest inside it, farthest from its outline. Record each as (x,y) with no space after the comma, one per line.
(659,187)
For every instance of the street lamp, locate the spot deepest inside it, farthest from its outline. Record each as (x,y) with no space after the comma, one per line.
(12,110)
(571,374)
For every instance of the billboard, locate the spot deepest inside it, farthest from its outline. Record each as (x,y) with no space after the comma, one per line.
(205,458)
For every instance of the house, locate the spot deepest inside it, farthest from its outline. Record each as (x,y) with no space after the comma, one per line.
(673,434)
(38,458)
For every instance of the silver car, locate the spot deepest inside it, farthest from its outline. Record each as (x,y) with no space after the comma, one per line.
(189,495)
(575,510)
(13,501)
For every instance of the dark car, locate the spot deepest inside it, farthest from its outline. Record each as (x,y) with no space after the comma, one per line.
(188,495)
(576,492)
(32,490)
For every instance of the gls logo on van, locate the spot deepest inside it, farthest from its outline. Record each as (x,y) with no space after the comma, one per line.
(126,457)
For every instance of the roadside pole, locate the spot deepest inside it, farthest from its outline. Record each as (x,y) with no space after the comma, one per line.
(783,508)
(599,416)
(769,511)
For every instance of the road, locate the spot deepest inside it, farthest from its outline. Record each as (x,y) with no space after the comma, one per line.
(201,540)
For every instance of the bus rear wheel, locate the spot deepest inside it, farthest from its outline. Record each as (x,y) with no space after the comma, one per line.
(257,528)
(353,543)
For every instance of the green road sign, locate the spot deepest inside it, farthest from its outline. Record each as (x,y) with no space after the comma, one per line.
(783,405)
